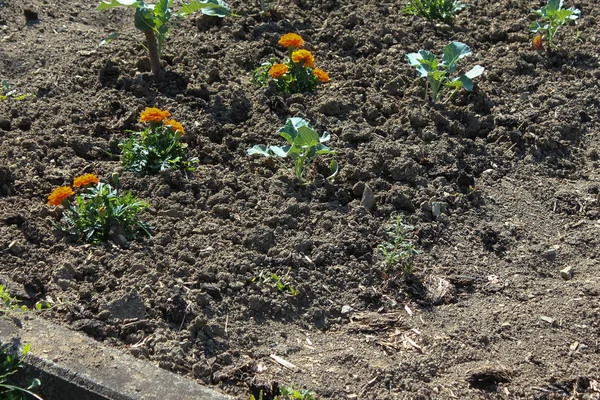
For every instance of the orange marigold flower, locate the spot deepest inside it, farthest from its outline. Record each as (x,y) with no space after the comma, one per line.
(152,114)
(291,40)
(536,43)
(59,194)
(304,56)
(321,75)
(278,70)
(85,180)
(176,126)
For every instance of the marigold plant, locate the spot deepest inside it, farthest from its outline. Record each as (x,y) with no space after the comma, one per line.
(158,147)
(297,73)
(100,212)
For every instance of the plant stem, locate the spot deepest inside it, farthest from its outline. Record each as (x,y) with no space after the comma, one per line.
(153,51)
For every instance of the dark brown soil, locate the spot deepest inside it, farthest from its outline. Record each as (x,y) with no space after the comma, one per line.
(486,313)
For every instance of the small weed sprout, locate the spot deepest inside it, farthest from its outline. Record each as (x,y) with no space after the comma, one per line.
(289,393)
(296,74)
(9,365)
(441,10)
(155,20)
(12,303)
(304,146)
(158,147)
(437,73)
(554,17)
(100,212)
(283,283)
(9,301)
(7,92)
(398,250)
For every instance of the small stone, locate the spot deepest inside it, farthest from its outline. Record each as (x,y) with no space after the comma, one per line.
(437,208)
(172,212)
(121,241)
(368,198)
(346,309)
(566,273)
(549,320)
(15,247)
(550,254)
(358,189)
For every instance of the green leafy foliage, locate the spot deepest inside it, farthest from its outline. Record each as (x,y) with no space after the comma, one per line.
(156,148)
(398,250)
(103,211)
(554,17)
(9,301)
(304,146)
(437,73)
(441,10)
(9,365)
(289,393)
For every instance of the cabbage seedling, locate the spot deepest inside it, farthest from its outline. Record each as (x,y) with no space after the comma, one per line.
(304,146)
(436,73)
(155,20)
(554,17)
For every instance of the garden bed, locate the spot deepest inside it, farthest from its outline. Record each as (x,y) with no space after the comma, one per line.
(513,168)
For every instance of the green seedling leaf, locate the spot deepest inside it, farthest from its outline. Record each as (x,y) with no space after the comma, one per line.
(307,137)
(259,149)
(280,151)
(109,38)
(536,26)
(213,8)
(454,52)
(334,168)
(144,19)
(475,72)
(105,5)
(554,5)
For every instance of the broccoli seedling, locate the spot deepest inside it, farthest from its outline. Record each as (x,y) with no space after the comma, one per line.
(155,20)
(305,146)
(437,73)
(554,17)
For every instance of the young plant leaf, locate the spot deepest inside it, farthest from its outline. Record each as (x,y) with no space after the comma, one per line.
(333,169)
(475,72)
(554,5)
(259,149)
(213,8)
(454,52)
(105,5)
(109,38)
(281,151)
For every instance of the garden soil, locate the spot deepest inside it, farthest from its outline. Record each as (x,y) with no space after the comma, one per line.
(501,185)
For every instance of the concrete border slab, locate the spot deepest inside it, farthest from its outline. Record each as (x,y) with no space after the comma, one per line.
(76,367)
